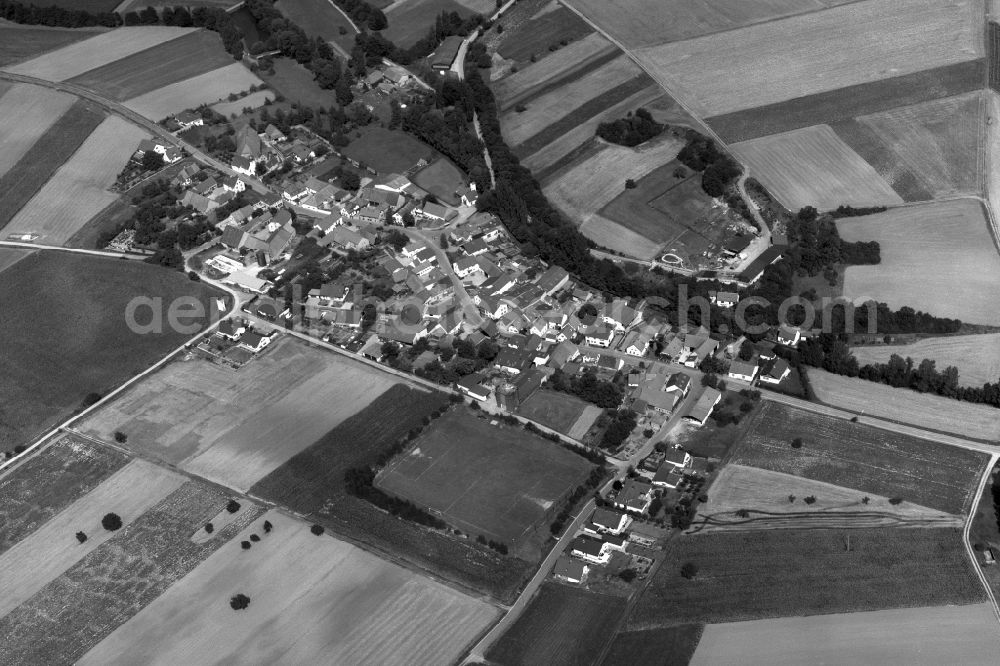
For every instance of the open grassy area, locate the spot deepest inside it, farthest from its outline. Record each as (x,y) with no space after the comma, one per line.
(388,151)
(20,42)
(411,21)
(562,626)
(775,573)
(985,531)
(667,646)
(554,409)
(297,84)
(442,179)
(70,338)
(534,37)
(861,457)
(320,18)
(499,481)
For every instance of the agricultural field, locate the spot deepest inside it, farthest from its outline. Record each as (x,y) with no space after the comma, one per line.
(922,410)
(85,5)
(169,62)
(297,84)
(649,22)
(818,52)
(45,156)
(320,18)
(31,111)
(253,101)
(205,88)
(442,179)
(666,646)
(977,357)
(76,321)
(929,254)
(312,483)
(806,572)
(19,42)
(10,256)
(619,238)
(301,587)
(863,141)
(562,626)
(234,428)
(78,190)
(103,49)
(388,151)
(936,635)
(498,481)
(562,412)
(544,31)
(985,531)
(75,610)
(861,457)
(774,500)
(814,167)
(410,21)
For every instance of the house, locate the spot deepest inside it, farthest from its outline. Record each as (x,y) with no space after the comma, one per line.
(703,407)
(636,343)
(596,551)
(189,119)
(374,78)
(679,383)
(563,353)
(372,349)
(434,212)
(743,370)
(200,203)
(347,238)
(466,266)
(552,280)
(667,477)
(610,522)
(775,371)
(492,307)
(662,401)
(397,75)
(599,335)
(634,497)
(254,342)
(570,570)
(514,361)
(677,458)
(274,134)
(446,52)
(233,184)
(724,299)
(243,165)
(231,330)
(248,144)
(472,386)
(789,335)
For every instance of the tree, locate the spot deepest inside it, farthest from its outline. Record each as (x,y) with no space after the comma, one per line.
(267,527)
(350,180)
(689,570)
(254,538)
(895,500)
(397,239)
(209,528)
(627,575)
(245,545)
(239,601)
(343,91)
(81,536)
(111,522)
(791,499)
(811,499)
(443,241)
(746,351)
(317,529)
(866,499)
(797,443)
(120,437)
(629,184)
(232,506)
(408,220)
(152,161)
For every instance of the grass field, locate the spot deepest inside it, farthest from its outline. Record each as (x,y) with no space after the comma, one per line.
(922,410)
(45,156)
(253,100)
(498,481)
(388,151)
(31,110)
(297,84)
(649,22)
(977,357)
(20,42)
(79,189)
(803,55)
(71,614)
(76,321)
(842,104)
(562,412)
(667,646)
(534,37)
(813,167)
(806,572)
(320,18)
(52,549)
(236,427)
(442,179)
(937,635)
(952,238)
(190,93)
(97,51)
(189,55)
(313,599)
(861,457)
(765,495)
(411,21)
(562,626)
(46,483)
(618,238)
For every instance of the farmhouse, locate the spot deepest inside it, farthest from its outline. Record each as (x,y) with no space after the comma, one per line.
(736,247)
(231,330)
(724,299)
(636,343)
(599,335)
(243,165)
(679,383)
(703,407)
(677,458)
(634,497)
(445,54)
(188,119)
(756,268)
(661,401)
(570,570)
(743,370)
(552,280)
(434,212)
(254,342)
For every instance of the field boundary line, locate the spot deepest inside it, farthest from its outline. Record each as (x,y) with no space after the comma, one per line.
(968,526)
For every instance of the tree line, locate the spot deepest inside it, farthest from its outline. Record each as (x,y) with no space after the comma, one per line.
(816,245)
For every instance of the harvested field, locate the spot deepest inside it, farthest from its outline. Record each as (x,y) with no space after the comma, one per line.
(388,151)
(320,18)
(649,22)
(79,189)
(843,104)
(253,101)
(952,237)
(105,588)
(562,626)
(20,42)
(10,256)
(189,55)
(30,111)
(236,427)
(206,88)
(52,549)
(77,321)
(410,22)
(48,482)
(861,457)
(546,109)
(300,586)
(312,483)
(813,167)
(764,494)
(618,238)
(803,55)
(873,150)
(297,84)
(498,481)
(45,156)
(936,635)
(97,51)
(922,410)
(442,179)
(977,357)
(537,36)
(806,572)
(559,411)
(667,646)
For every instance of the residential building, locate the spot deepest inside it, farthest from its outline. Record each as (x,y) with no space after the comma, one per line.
(599,335)
(789,335)
(743,370)
(667,477)
(677,458)
(610,522)
(703,407)
(552,280)
(634,497)
(254,342)
(570,570)
(775,371)
(679,383)
(472,386)
(724,299)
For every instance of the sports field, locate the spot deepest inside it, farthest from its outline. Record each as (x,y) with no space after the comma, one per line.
(813,167)
(562,412)
(189,55)
(861,457)
(410,21)
(936,635)
(253,101)
(105,48)
(977,357)
(77,321)
(930,253)
(312,599)
(499,481)
(803,55)
(19,42)
(442,179)
(388,151)
(79,189)
(320,18)
(775,573)
(236,427)
(897,404)
(30,111)
(190,93)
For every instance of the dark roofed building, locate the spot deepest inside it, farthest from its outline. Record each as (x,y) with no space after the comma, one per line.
(446,52)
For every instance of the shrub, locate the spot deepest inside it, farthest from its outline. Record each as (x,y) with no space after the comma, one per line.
(811,499)
(791,499)
(629,184)
(628,575)
(254,538)
(239,602)
(245,545)
(689,570)
(797,443)
(268,527)
(895,500)
(233,506)
(120,437)
(520,108)
(209,528)
(81,536)
(111,522)
(743,513)
(866,499)
(317,529)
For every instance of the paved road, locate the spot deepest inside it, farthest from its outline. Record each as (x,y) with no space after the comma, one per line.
(468,306)
(74,250)
(968,526)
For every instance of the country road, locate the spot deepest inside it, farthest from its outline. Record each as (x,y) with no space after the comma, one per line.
(59,248)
